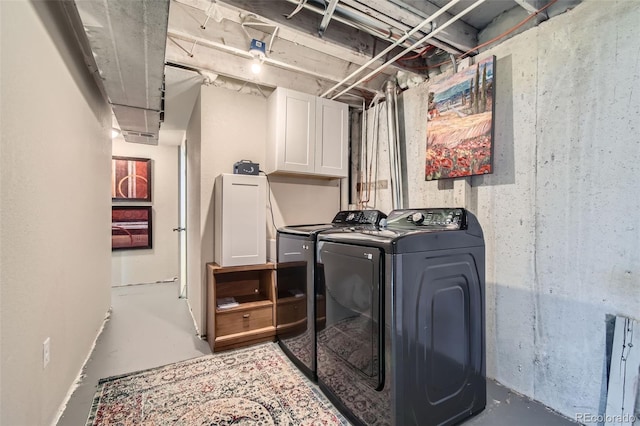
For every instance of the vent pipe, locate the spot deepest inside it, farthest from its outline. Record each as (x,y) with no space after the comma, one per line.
(395,165)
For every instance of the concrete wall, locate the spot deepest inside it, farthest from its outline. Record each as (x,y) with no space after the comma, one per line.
(161,263)
(560,211)
(54,216)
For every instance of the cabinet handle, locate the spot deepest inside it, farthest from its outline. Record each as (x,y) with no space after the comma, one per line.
(246,315)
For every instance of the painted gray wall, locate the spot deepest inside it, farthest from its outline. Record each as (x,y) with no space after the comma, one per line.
(302,200)
(54,215)
(160,263)
(195,270)
(228,126)
(560,213)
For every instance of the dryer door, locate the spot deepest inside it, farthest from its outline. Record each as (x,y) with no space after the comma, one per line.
(350,342)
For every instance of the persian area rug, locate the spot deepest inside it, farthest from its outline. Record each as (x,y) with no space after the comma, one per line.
(250,386)
(349,355)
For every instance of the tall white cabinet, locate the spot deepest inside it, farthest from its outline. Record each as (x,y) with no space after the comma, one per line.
(307,135)
(240,220)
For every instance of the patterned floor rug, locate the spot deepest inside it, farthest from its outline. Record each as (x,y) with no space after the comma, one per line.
(251,386)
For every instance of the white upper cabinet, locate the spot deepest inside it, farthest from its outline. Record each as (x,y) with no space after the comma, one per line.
(332,138)
(306,134)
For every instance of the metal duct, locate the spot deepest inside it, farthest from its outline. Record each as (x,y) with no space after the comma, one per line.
(394,145)
(128,41)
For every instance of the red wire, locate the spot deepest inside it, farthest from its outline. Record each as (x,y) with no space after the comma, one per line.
(504,34)
(509,31)
(416,56)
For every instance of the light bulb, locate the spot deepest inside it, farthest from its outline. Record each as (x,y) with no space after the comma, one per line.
(256,65)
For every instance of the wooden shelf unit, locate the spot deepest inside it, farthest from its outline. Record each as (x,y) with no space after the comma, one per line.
(253,320)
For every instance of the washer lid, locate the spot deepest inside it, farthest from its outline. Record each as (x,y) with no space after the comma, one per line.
(305,230)
(342,218)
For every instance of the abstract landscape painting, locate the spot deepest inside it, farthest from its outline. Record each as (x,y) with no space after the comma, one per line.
(460,123)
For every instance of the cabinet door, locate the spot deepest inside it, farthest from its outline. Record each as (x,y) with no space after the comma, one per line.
(332,138)
(240,218)
(296,150)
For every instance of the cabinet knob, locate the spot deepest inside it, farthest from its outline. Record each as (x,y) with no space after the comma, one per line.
(246,315)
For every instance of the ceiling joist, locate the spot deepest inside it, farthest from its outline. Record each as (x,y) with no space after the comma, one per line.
(532,6)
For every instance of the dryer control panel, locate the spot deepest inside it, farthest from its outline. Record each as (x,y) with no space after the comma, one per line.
(435,219)
(358,217)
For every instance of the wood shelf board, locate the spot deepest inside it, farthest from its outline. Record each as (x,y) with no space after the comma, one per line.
(247,289)
(245,305)
(217,269)
(246,335)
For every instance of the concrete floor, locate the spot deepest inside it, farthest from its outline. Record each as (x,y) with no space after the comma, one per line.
(150,326)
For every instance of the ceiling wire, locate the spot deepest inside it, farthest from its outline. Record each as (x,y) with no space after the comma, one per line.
(493,40)
(417,55)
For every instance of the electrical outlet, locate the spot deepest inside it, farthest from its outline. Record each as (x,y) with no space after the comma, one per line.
(46,352)
(379,184)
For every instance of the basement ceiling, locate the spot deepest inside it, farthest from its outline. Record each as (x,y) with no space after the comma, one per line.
(311,46)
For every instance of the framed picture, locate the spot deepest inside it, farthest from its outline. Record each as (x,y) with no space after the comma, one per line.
(460,123)
(130,179)
(131,227)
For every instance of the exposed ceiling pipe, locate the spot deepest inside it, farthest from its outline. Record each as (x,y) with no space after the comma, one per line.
(173,34)
(374,150)
(364,182)
(328,14)
(298,8)
(394,25)
(384,52)
(394,145)
(409,8)
(356,20)
(401,20)
(399,55)
(400,185)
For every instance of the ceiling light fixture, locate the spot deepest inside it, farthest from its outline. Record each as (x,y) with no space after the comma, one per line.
(257,49)
(256,66)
